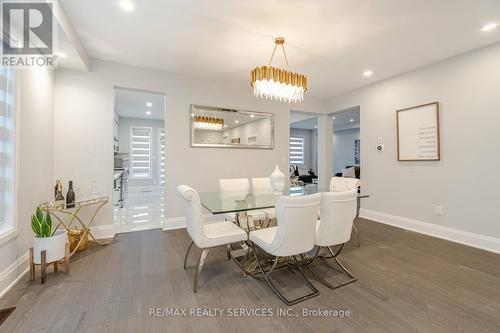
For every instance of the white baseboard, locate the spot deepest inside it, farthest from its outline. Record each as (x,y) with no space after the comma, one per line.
(12,274)
(479,241)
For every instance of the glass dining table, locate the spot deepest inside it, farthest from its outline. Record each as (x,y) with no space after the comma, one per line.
(241,205)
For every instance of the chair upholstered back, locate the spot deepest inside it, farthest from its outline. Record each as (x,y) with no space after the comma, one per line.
(338,210)
(261,185)
(194,214)
(341,184)
(296,224)
(238,186)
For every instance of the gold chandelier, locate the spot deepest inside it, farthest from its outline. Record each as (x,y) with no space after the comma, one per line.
(278,84)
(208,123)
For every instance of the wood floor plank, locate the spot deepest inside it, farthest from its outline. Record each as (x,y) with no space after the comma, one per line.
(407,282)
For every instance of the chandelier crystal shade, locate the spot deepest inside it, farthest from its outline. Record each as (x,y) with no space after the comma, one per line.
(278,84)
(208,123)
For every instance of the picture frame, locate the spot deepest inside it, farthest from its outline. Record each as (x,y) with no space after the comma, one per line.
(418,133)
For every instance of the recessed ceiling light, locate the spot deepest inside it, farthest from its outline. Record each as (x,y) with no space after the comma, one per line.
(148,113)
(127,5)
(61,55)
(333,117)
(149,104)
(489,27)
(252,115)
(367,73)
(315,126)
(236,121)
(351,120)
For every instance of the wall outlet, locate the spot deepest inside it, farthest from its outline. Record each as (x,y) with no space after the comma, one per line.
(438,210)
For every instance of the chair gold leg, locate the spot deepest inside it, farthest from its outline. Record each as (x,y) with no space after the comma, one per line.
(187,253)
(201,261)
(274,288)
(342,270)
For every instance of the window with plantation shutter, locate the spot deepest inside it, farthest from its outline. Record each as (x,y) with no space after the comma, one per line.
(7,151)
(161,134)
(297,150)
(140,152)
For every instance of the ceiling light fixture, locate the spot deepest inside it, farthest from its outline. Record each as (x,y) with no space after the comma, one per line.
(367,73)
(315,126)
(148,113)
(126,5)
(149,104)
(489,27)
(208,123)
(278,84)
(351,120)
(333,117)
(236,121)
(252,116)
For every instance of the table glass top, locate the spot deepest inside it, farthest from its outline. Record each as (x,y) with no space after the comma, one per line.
(231,202)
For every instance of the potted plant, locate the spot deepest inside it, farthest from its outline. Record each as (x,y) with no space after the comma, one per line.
(53,243)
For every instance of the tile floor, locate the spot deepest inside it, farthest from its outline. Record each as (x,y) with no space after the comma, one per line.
(143,209)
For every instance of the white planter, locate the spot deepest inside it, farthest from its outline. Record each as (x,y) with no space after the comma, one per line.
(54,247)
(277,181)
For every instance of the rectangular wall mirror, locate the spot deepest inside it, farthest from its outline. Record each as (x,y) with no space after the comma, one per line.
(218,127)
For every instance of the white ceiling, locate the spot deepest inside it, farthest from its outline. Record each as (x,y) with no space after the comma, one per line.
(132,103)
(332,42)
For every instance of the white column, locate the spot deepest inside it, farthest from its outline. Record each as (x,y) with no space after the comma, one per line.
(325,150)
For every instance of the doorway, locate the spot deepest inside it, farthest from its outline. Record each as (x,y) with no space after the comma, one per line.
(303,149)
(347,143)
(139,159)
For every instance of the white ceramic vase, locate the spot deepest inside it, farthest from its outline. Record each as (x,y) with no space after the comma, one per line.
(277,181)
(54,247)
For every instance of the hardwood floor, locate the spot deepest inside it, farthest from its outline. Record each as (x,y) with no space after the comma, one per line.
(407,282)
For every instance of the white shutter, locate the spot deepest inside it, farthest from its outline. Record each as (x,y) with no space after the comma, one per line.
(161,135)
(7,149)
(140,152)
(297,150)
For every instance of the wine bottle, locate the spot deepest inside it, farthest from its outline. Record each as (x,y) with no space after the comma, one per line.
(55,187)
(70,196)
(59,196)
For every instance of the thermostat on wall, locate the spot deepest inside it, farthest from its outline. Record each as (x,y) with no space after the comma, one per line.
(379,147)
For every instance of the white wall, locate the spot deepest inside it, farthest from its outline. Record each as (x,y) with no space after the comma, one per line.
(124,134)
(260,128)
(36,161)
(343,148)
(466,180)
(84,129)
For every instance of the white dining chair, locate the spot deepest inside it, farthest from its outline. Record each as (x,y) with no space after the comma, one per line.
(338,210)
(341,184)
(206,235)
(293,236)
(238,189)
(263,186)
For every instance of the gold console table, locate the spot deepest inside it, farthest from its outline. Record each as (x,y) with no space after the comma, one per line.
(61,211)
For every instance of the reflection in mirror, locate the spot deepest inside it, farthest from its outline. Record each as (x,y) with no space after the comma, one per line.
(217,127)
